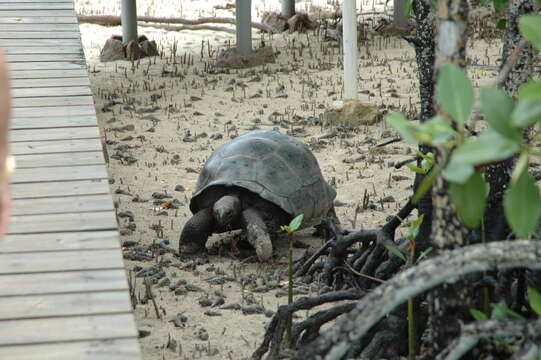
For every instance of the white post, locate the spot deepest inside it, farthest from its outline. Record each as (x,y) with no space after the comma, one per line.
(128,18)
(349,18)
(243,16)
(288,8)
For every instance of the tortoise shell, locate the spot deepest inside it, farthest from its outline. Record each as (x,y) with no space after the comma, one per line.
(271,165)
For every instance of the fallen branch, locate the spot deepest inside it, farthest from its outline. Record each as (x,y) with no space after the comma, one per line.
(189,27)
(340,340)
(109,20)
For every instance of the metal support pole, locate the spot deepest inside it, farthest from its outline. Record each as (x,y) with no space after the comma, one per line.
(288,8)
(399,14)
(128,19)
(244,26)
(349,18)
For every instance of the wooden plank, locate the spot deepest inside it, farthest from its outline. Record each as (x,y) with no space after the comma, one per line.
(47,74)
(47,27)
(34,1)
(38,13)
(14,58)
(20,332)
(43,83)
(48,65)
(54,122)
(15,43)
(55,134)
(39,20)
(30,50)
(53,112)
(58,146)
(117,349)
(60,173)
(37,306)
(39,35)
(36,6)
(64,188)
(62,205)
(90,240)
(62,159)
(25,263)
(52,101)
(62,282)
(90,221)
(51,92)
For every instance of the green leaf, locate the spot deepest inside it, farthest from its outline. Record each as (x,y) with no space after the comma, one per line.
(396,252)
(469,199)
(286,228)
(295,224)
(499,5)
(458,171)
(416,169)
(405,128)
(522,205)
(531,90)
(454,93)
(424,254)
(520,167)
(438,129)
(502,311)
(478,315)
(530,27)
(501,24)
(535,300)
(490,146)
(497,108)
(426,184)
(526,113)
(414,228)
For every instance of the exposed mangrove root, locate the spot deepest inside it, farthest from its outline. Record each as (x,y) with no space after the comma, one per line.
(339,342)
(310,327)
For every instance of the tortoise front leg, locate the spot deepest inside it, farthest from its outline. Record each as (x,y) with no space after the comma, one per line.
(257,233)
(196,232)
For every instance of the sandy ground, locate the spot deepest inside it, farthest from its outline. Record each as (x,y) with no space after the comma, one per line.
(162,117)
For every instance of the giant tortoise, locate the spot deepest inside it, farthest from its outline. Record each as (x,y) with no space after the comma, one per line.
(257,182)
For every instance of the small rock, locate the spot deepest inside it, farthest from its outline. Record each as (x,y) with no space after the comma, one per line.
(143,333)
(275,21)
(231,307)
(212,313)
(112,50)
(204,301)
(388,199)
(149,47)
(134,51)
(126,214)
(180,188)
(202,334)
(159,195)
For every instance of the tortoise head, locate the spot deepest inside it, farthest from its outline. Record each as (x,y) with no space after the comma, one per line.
(226,209)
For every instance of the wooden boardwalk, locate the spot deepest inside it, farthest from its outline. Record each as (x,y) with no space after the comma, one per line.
(63,291)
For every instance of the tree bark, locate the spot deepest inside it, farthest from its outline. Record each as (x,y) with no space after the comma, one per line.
(337,342)
(449,304)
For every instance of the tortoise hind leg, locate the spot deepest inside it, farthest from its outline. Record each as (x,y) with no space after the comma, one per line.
(258,235)
(196,232)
